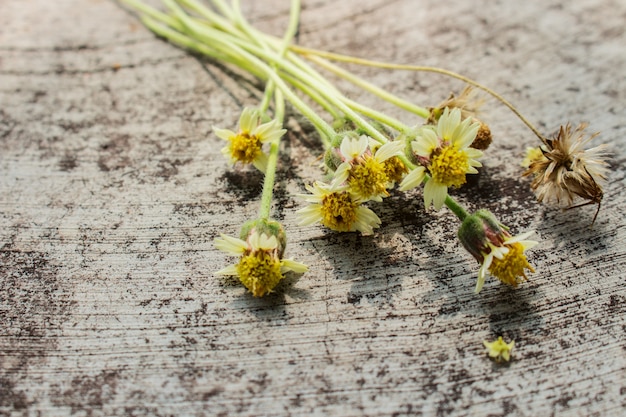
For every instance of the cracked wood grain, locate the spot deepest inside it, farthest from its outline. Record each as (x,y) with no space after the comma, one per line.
(113,189)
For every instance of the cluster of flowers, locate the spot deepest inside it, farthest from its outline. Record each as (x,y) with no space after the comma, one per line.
(367,153)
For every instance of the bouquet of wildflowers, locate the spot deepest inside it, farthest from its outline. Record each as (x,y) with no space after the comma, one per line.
(367,152)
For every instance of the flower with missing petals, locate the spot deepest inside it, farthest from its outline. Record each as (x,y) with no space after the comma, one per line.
(566,171)
(499,350)
(246,145)
(499,253)
(444,153)
(337,208)
(363,166)
(260,267)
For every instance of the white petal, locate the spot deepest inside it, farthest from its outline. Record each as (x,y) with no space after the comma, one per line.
(309,215)
(435,193)
(353,148)
(291,265)
(448,123)
(260,162)
(266,242)
(482,272)
(249,120)
(342,173)
(269,131)
(223,133)
(389,150)
(412,179)
(230,244)
(425,143)
(519,237)
(229,270)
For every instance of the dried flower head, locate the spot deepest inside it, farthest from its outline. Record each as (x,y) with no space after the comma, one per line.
(467,102)
(246,144)
(337,208)
(495,249)
(499,350)
(567,171)
(260,267)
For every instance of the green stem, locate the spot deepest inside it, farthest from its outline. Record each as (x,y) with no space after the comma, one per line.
(308,53)
(367,86)
(456,208)
(313,94)
(272,161)
(376,115)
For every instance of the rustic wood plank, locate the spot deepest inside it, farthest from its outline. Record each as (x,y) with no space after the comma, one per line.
(113,188)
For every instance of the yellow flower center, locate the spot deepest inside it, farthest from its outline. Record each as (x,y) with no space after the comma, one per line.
(368,179)
(448,166)
(259,272)
(338,211)
(511,266)
(245,147)
(395,169)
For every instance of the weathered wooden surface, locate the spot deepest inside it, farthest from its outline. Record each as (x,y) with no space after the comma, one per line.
(113,188)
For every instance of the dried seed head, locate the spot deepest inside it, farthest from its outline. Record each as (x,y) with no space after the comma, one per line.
(567,172)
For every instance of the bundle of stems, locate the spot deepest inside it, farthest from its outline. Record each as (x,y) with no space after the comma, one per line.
(367,151)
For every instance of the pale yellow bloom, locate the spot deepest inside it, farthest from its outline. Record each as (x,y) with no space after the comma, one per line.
(445,153)
(337,208)
(365,170)
(259,268)
(246,145)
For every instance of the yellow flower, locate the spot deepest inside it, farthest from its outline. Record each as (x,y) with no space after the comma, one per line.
(364,169)
(499,253)
(507,261)
(337,208)
(499,350)
(259,268)
(246,145)
(445,153)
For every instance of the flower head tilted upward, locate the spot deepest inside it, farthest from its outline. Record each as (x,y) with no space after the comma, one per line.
(445,154)
(246,145)
(260,267)
(363,166)
(495,249)
(337,208)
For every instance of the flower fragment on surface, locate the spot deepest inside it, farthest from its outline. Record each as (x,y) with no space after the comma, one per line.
(445,154)
(499,253)
(499,350)
(246,145)
(260,267)
(334,206)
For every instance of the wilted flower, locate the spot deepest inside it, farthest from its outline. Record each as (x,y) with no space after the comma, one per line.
(260,267)
(499,350)
(495,249)
(246,144)
(566,171)
(445,153)
(337,208)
